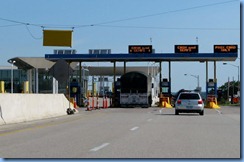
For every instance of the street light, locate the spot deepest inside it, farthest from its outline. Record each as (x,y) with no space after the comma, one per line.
(12,76)
(238,73)
(195,76)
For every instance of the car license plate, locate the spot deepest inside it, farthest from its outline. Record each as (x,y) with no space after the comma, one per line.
(189,107)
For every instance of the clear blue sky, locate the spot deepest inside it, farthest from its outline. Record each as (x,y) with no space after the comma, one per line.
(167,22)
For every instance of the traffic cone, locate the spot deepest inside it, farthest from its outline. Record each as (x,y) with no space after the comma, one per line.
(103,103)
(75,105)
(75,102)
(93,107)
(106,102)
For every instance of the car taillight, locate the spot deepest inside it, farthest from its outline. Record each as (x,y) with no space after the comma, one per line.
(200,101)
(179,102)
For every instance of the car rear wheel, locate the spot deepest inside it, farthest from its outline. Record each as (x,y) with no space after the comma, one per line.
(176,112)
(201,113)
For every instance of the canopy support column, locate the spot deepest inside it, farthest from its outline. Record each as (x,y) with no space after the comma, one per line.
(215,79)
(170,77)
(124,67)
(113,90)
(206,80)
(160,77)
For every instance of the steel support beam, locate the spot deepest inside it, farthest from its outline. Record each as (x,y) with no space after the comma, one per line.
(170,77)
(124,67)
(160,77)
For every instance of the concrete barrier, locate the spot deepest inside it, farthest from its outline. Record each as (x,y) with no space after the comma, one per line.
(1,117)
(27,107)
(1,121)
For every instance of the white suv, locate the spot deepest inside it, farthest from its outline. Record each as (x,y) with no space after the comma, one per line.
(189,102)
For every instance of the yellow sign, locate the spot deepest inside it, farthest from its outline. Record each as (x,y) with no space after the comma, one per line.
(57,38)
(74,90)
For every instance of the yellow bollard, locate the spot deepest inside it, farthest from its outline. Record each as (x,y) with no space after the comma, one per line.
(214,106)
(26,87)
(2,88)
(212,103)
(165,102)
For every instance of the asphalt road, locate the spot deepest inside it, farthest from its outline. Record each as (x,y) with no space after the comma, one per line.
(126,133)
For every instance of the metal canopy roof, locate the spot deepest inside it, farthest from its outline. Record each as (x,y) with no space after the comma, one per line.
(108,71)
(33,62)
(41,63)
(157,57)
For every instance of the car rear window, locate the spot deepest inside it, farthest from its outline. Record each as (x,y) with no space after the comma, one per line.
(189,96)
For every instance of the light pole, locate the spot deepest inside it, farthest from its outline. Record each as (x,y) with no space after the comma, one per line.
(12,76)
(195,76)
(238,73)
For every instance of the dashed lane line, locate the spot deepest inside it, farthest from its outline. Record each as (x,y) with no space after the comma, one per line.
(219,112)
(149,120)
(134,128)
(99,147)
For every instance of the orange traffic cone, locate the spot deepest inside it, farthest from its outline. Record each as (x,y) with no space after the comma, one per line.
(93,107)
(106,102)
(75,102)
(103,103)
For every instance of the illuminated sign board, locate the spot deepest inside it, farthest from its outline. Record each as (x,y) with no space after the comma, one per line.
(140,48)
(186,48)
(225,48)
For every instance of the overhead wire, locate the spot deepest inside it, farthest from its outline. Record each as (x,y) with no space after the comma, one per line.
(162,13)
(103,24)
(34,37)
(164,28)
(3,26)
(13,21)
(119,20)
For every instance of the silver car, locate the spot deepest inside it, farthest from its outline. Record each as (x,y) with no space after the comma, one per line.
(189,102)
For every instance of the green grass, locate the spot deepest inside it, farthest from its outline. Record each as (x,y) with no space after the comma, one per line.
(229,104)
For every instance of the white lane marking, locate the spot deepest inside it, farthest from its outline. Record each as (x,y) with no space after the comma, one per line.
(149,120)
(219,112)
(99,147)
(134,128)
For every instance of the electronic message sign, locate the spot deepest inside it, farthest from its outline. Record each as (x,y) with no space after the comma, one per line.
(140,48)
(186,48)
(225,48)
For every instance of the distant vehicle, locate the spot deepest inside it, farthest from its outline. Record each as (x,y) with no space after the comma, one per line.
(135,90)
(189,102)
(174,97)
